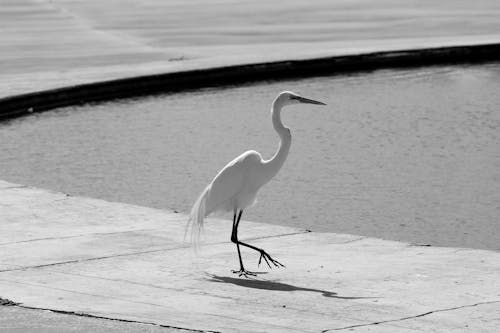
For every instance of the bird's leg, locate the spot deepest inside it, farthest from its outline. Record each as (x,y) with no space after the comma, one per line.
(234,239)
(263,254)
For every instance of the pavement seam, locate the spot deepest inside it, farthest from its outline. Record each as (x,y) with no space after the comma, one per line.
(19,268)
(78,292)
(19,304)
(8,302)
(354,240)
(76,236)
(272,236)
(88,315)
(409,317)
(14,187)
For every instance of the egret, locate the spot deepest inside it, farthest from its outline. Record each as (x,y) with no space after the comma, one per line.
(235,187)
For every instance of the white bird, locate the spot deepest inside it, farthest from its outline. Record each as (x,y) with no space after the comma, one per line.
(235,187)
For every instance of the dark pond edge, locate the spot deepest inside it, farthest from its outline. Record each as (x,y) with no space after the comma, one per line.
(19,105)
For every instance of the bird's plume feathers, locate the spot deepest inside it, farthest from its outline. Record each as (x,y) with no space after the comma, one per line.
(196,218)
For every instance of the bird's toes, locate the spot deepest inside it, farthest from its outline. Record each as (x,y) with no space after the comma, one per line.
(276,263)
(267,257)
(247,274)
(244,272)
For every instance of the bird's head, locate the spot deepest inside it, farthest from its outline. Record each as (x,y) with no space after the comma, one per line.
(288,97)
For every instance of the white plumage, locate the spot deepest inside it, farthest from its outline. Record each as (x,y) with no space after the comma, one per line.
(235,187)
(228,190)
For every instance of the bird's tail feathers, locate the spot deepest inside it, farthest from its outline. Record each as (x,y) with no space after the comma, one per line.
(196,219)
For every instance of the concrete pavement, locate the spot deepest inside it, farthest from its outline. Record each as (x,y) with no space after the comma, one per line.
(18,319)
(58,43)
(127,262)
(81,256)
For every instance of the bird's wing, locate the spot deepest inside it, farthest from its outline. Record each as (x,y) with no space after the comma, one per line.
(230,180)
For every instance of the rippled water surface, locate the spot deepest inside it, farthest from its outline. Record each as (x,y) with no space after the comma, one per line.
(410,155)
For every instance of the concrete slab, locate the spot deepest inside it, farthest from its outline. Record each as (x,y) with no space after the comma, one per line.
(16,319)
(127,262)
(49,44)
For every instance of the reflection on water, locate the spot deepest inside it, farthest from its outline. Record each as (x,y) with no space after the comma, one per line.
(411,155)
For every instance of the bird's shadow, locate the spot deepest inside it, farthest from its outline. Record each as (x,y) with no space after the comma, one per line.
(273,285)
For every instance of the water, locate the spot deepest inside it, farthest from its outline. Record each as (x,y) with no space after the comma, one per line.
(411,155)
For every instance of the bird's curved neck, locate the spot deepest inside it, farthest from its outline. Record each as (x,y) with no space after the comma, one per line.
(276,118)
(276,162)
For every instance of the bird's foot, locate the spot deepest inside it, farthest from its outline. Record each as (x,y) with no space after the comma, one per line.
(244,272)
(267,258)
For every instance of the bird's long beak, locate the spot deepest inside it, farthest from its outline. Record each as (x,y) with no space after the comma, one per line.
(308,101)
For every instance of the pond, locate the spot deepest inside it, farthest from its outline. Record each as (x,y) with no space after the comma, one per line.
(410,155)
